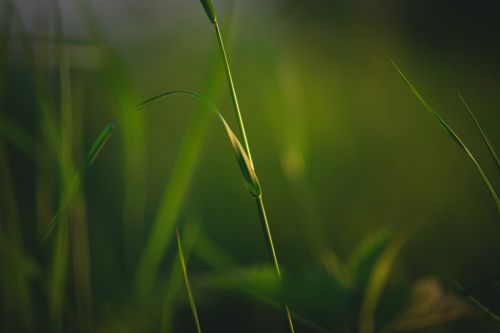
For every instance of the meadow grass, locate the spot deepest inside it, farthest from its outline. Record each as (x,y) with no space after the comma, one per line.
(60,136)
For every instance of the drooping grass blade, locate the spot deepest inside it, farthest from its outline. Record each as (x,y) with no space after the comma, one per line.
(246,168)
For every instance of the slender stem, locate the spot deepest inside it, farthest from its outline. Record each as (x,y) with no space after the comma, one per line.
(272,253)
(234,98)
(259,201)
(192,303)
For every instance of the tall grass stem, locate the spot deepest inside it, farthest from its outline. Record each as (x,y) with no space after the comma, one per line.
(260,203)
(234,98)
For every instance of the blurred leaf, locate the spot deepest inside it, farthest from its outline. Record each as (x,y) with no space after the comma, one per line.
(322,297)
(94,151)
(19,274)
(377,282)
(365,257)
(17,137)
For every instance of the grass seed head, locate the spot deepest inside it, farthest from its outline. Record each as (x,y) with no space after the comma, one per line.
(210,10)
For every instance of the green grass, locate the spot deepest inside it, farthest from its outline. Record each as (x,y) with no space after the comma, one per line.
(134,282)
(453,136)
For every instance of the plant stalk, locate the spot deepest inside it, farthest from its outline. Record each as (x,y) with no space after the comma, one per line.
(272,253)
(260,203)
(234,98)
(192,303)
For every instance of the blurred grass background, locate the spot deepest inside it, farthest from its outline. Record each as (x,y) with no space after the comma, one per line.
(340,144)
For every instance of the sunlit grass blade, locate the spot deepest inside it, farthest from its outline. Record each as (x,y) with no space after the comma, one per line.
(453,135)
(246,168)
(485,138)
(192,303)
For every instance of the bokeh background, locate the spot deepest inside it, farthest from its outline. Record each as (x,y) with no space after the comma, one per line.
(342,147)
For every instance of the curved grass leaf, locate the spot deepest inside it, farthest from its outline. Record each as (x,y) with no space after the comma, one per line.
(452,134)
(485,138)
(246,167)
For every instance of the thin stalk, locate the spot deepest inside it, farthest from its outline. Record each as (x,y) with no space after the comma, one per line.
(192,303)
(272,253)
(234,98)
(260,203)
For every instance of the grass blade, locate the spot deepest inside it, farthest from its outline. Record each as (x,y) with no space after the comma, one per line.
(192,303)
(179,180)
(452,134)
(246,168)
(485,138)
(124,94)
(90,158)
